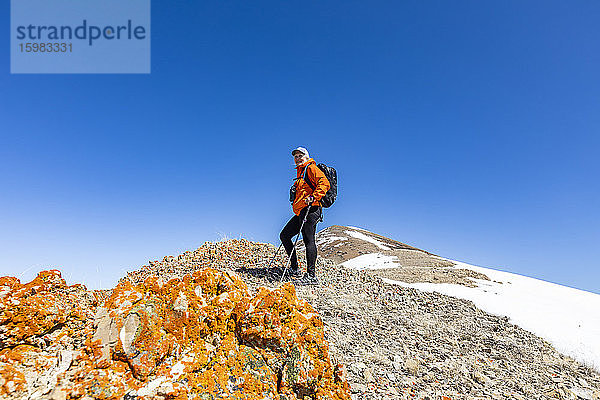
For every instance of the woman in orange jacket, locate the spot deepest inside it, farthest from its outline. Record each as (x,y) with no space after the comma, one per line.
(305,201)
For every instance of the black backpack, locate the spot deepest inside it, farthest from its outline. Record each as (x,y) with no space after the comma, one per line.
(331,174)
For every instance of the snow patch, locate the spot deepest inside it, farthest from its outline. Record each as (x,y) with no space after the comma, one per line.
(566,317)
(372,261)
(330,239)
(366,238)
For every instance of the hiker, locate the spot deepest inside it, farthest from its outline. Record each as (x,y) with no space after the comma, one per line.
(304,200)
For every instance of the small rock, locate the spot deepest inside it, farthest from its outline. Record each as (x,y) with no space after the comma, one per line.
(358,388)
(479,377)
(412,366)
(379,359)
(359,366)
(368,375)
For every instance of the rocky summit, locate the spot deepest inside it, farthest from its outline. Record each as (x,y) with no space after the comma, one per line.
(213,324)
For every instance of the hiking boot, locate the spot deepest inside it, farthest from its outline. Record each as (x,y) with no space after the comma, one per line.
(308,280)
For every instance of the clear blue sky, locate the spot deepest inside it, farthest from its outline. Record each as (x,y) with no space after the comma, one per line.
(470,129)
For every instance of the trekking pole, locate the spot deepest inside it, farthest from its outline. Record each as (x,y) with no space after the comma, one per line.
(294,248)
(277,252)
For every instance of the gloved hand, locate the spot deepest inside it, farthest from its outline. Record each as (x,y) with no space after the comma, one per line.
(310,199)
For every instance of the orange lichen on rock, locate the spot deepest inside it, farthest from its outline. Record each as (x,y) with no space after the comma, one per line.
(289,335)
(199,336)
(40,307)
(12,381)
(41,324)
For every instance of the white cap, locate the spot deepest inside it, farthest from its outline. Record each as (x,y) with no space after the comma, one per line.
(301,150)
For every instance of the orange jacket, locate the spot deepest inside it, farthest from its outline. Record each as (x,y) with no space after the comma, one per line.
(317,179)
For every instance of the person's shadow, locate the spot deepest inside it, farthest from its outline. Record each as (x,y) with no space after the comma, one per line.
(270,274)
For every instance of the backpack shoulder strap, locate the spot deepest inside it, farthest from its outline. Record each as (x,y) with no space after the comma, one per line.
(306,179)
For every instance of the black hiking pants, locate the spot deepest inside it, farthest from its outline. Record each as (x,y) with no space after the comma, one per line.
(292,228)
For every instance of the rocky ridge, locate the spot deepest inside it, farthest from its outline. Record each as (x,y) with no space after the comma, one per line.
(396,342)
(401,343)
(407,263)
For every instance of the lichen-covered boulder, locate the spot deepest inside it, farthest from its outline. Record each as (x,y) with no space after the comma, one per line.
(202,336)
(289,335)
(42,322)
(29,312)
